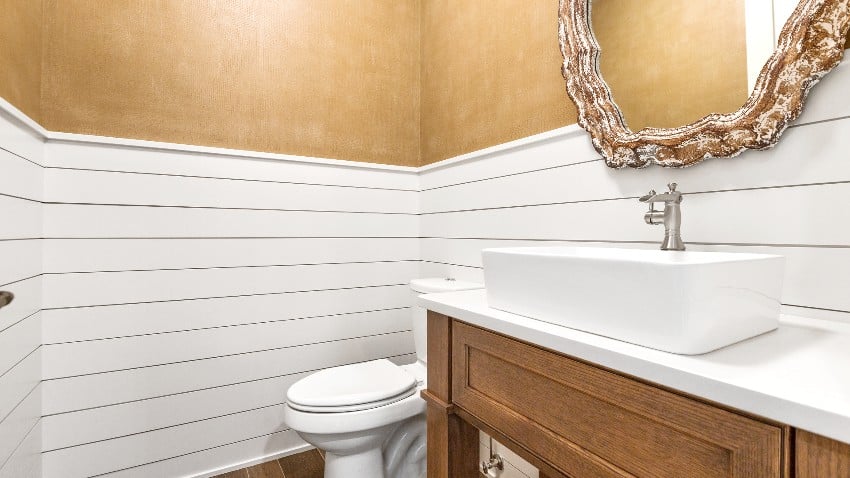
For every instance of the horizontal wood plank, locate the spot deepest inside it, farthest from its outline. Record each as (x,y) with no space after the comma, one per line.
(111,455)
(69,394)
(20,176)
(18,341)
(82,255)
(21,260)
(27,218)
(18,424)
(80,221)
(74,290)
(26,459)
(90,323)
(97,187)
(80,358)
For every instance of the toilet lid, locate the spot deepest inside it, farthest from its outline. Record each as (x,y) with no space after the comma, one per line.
(352,387)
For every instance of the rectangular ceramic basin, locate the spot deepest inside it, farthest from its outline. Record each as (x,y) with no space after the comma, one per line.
(680,302)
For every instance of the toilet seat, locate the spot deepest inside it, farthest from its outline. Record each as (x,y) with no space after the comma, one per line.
(348,422)
(352,388)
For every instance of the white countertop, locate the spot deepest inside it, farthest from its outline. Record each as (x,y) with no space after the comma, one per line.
(798,374)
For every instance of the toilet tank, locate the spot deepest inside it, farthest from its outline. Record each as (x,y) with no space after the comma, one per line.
(420,315)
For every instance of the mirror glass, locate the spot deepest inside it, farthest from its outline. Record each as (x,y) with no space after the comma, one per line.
(671,62)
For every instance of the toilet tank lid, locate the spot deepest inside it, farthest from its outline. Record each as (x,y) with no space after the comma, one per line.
(442,284)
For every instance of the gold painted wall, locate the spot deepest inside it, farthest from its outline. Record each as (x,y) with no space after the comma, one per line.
(490,74)
(658,81)
(491,69)
(326,78)
(21,54)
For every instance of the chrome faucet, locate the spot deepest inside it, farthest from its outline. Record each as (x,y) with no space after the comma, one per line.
(671,216)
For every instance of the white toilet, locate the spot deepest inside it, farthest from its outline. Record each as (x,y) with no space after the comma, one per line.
(368,417)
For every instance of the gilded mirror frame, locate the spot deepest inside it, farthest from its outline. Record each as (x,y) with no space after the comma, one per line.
(809,46)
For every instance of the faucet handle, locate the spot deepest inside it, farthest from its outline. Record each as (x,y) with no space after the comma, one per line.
(648,196)
(672,187)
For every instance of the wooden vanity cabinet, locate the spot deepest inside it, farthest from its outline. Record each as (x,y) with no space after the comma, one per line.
(820,457)
(573,419)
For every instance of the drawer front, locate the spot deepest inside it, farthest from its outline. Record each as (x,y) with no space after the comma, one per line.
(589,422)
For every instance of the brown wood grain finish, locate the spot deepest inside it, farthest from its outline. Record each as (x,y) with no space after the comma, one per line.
(269,469)
(243,473)
(439,355)
(309,464)
(545,470)
(452,443)
(820,457)
(589,422)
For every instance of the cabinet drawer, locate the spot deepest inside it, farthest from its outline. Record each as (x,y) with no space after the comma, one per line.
(589,422)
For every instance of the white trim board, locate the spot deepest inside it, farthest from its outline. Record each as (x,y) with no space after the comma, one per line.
(10,110)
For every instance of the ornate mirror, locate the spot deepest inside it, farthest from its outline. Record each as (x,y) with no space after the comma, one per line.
(741,84)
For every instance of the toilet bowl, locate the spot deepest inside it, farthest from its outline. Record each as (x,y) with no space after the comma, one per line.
(368,417)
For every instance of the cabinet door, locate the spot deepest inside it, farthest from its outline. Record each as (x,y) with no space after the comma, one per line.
(820,457)
(589,422)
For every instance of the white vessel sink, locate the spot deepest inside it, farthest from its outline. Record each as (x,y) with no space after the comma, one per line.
(680,302)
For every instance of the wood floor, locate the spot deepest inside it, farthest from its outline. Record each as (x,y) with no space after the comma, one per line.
(309,464)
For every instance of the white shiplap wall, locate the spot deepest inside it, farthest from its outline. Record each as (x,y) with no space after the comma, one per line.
(21,173)
(185,291)
(552,189)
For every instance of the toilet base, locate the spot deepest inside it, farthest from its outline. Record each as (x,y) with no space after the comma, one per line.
(366,463)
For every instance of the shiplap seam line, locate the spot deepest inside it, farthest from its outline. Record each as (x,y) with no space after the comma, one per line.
(150,430)
(430,213)
(18,446)
(21,157)
(614,241)
(631,198)
(189,453)
(255,266)
(204,389)
(508,175)
(36,276)
(136,238)
(222,208)
(213,357)
(227,326)
(22,198)
(216,297)
(19,321)
(3,418)
(817,308)
(827,120)
(26,356)
(224,178)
